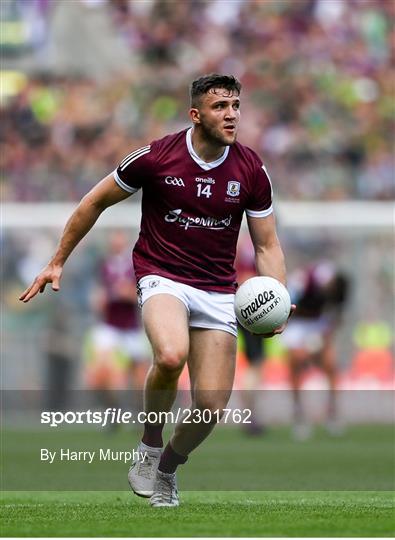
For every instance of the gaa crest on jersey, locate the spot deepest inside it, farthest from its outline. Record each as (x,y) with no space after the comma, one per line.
(233,188)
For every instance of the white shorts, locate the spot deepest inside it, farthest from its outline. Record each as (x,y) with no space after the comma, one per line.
(132,343)
(206,309)
(305,334)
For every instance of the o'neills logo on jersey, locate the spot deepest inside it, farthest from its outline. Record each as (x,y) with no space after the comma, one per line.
(208,180)
(201,222)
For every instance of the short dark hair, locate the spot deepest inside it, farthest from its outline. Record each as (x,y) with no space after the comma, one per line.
(203,84)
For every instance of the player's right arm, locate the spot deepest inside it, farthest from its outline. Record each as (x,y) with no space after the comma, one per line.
(104,194)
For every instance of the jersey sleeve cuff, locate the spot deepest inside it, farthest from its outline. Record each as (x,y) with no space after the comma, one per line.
(121,184)
(260,213)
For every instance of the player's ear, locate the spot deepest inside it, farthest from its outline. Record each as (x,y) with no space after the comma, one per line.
(195,115)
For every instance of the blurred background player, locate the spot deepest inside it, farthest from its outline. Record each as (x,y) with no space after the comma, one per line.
(320,291)
(253,346)
(119,349)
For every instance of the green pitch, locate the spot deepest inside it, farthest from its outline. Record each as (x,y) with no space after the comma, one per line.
(321,487)
(201,514)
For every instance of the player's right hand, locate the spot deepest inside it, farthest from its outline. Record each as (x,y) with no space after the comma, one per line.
(281,329)
(50,274)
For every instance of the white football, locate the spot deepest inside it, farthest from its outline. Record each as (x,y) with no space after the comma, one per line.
(262,304)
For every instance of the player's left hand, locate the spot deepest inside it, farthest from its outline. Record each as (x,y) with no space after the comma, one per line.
(281,328)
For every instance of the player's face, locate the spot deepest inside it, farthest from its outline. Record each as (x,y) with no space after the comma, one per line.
(219,116)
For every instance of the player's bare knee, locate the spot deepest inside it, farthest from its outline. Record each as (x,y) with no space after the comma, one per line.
(170,360)
(212,405)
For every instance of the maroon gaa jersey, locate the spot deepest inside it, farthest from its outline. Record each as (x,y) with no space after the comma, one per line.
(192,210)
(117,278)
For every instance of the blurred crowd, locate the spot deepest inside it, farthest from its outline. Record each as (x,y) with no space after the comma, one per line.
(317,102)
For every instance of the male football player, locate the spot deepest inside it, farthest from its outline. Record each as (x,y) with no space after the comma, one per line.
(196,186)
(119,345)
(321,291)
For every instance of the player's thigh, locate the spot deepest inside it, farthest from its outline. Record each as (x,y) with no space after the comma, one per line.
(328,357)
(211,362)
(165,319)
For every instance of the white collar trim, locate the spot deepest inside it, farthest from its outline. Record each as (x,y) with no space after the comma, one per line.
(203,164)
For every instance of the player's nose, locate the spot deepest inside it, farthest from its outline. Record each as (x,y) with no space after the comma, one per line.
(230,113)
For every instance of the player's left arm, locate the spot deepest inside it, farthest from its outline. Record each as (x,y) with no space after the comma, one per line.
(269,256)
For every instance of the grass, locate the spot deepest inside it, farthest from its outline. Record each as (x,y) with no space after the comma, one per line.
(322,487)
(79,514)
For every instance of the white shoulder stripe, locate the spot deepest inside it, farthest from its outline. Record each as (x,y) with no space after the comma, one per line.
(268,177)
(121,184)
(260,213)
(134,157)
(134,153)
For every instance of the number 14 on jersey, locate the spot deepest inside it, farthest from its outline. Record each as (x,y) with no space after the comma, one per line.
(204,190)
